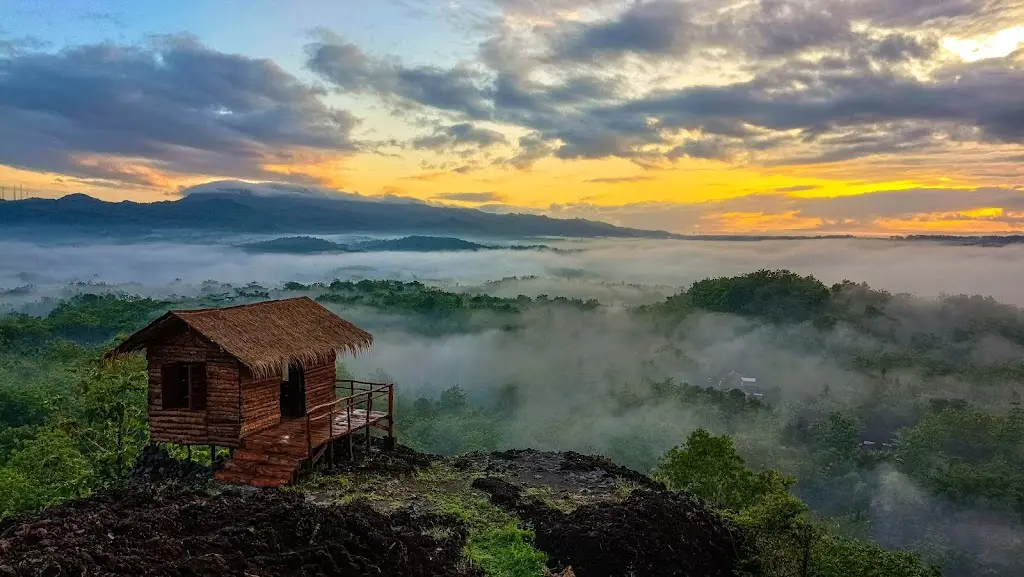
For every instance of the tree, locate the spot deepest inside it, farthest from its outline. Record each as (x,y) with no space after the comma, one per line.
(967,455)
(836,442)
(44,471)
(840,557)
(109,416)
(452,399)
(775,296)
(709,467)
(786,541)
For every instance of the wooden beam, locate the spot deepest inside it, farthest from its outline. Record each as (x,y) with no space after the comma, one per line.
(369,411)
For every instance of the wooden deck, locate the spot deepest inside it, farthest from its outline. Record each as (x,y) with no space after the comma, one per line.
(272,457)
(291,438)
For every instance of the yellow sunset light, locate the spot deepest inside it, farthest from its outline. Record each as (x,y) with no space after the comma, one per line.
(996,45)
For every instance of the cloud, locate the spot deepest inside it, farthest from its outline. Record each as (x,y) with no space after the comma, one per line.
(619,179)
(449,137)
(919,12)
(548,8)
(781,211)
(907,203)
(774,28)
(772,85)
(283,189)
(658,27)
(346,66)
(712,148)
(805,82)
(798,188)
(10,47)
(172,105)
(532,148)
(472,197)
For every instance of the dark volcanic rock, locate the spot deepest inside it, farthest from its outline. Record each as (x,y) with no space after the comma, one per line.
(568,471)
(155,465)
(650,533)
(398,460)
(170,530)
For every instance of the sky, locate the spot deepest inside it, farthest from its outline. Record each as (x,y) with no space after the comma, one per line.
(695,116)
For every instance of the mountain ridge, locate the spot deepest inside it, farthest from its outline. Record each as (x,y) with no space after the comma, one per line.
(314,245)
(240,211)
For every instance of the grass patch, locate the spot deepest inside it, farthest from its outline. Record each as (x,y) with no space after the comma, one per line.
(498,542)
(383,493)
(625,488)
(568,501)
(564,502)
(506,551)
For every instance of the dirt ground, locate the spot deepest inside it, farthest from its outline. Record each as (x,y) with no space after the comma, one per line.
(176,531)
(566,472)
(381,515)
(647,533)
(588,513)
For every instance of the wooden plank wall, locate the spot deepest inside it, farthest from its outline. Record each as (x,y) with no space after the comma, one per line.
(219,424)
(320,380)
(261,403)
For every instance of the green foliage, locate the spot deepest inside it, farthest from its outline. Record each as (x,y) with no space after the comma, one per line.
(109,417)
(313,245)
(91,318)
(88,441)
(946,345)
(68,424)
(709,467)
(968,455)
(775,296)
(784,537)
(450,425)
(55,399)
(43,471)
(18,410)
(834,556)
(497,542)
(839,434)
(506,551)
(415,297)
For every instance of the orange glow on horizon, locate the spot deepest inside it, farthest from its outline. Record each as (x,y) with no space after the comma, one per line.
(568,185)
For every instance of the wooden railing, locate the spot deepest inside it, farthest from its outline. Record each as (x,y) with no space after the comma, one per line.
(361,395)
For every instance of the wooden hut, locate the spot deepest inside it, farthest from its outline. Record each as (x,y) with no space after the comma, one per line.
(259,378)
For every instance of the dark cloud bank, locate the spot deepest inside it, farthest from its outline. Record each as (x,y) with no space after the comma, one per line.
(810,81)
(171,105)
(817,80)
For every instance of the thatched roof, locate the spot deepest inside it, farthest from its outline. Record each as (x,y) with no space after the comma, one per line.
(263,336)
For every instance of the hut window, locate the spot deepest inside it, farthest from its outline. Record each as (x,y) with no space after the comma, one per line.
(184,386)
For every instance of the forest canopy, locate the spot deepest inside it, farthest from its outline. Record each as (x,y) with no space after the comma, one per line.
(936,417)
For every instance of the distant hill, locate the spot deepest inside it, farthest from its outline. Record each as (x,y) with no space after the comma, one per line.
(242,208)
(294,245)
(421,244)
(312,245)
(987,240)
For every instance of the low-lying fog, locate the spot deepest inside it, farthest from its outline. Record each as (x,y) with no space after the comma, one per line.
(566,360)
(921,268)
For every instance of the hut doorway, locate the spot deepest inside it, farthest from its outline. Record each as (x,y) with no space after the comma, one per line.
(293,393)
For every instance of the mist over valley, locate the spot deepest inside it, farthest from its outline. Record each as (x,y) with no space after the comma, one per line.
(512,288)
(605,347)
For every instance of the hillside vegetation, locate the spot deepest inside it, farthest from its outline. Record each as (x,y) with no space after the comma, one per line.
(314,245)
